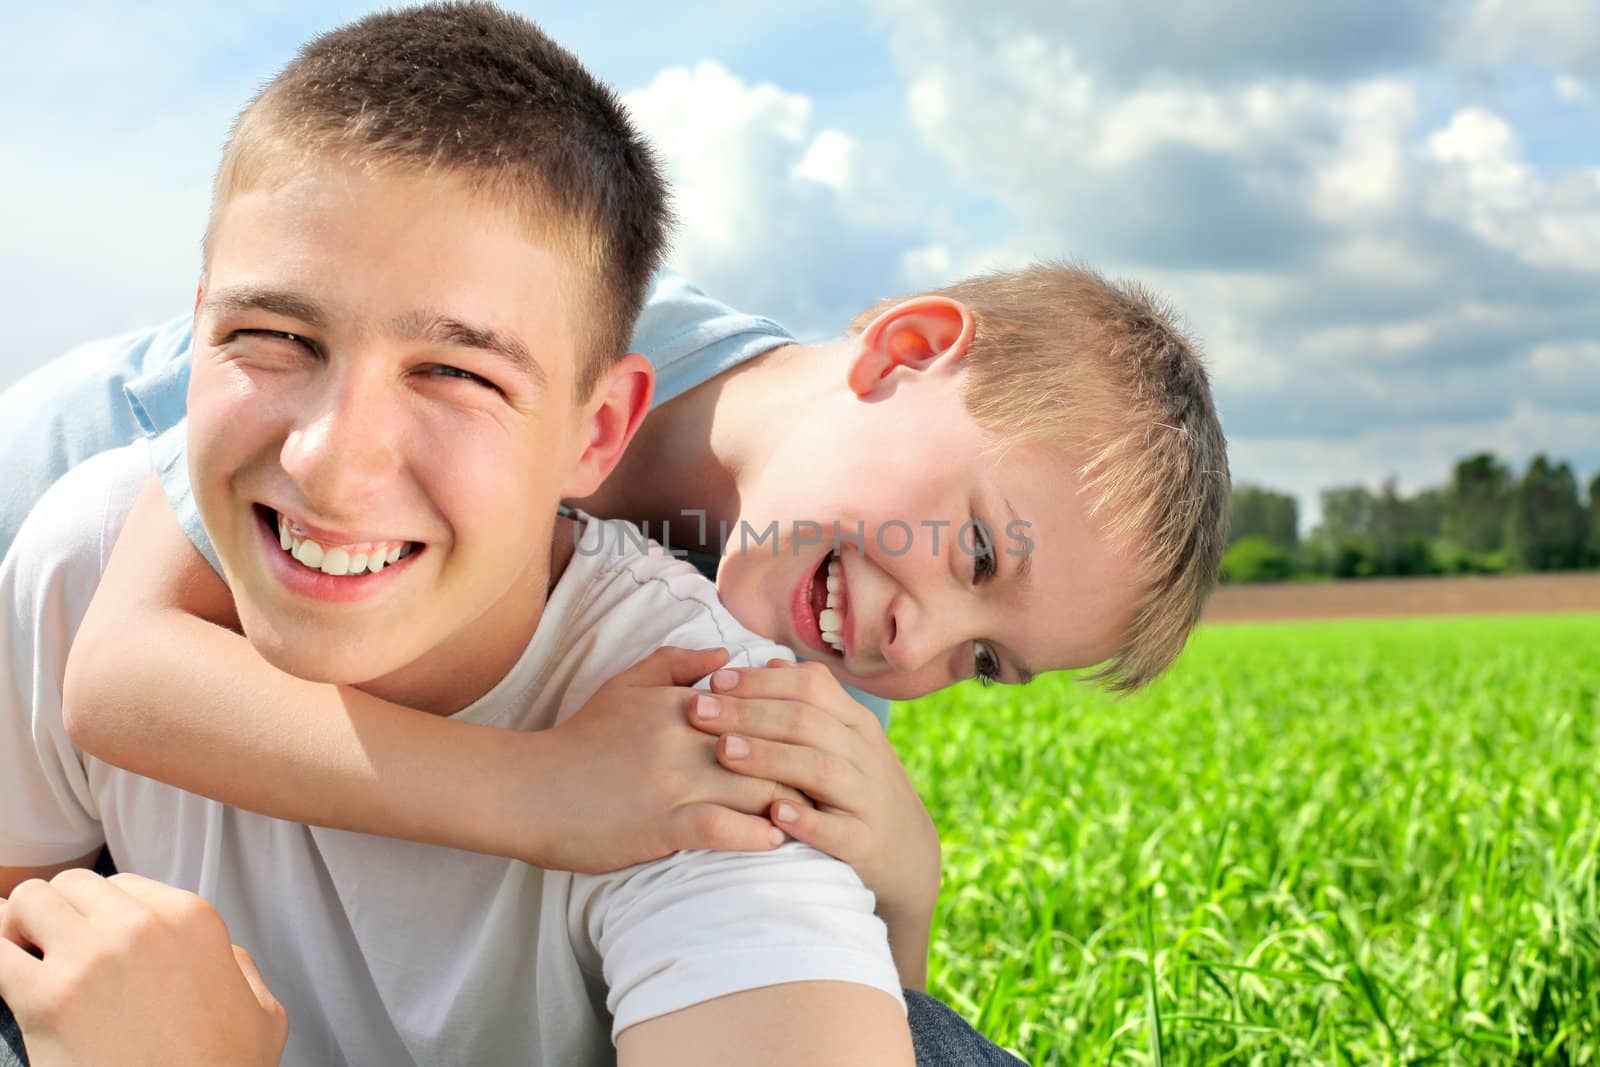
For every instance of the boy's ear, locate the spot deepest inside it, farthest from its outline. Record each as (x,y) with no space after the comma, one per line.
(918,334)
(613,415)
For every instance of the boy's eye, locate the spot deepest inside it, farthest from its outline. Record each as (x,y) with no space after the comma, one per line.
(985,666)
(444,370)
(278,335)
(983,563)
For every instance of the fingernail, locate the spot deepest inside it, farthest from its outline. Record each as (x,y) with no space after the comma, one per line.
(737,748)
(785,813)
(725,679)
(775,835)
(707,707)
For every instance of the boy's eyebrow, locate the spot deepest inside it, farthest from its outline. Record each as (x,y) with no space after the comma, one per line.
(444,330)
(274,301)
(1025,561)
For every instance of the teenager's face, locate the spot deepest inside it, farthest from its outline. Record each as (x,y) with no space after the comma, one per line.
(898,455)
(383,370)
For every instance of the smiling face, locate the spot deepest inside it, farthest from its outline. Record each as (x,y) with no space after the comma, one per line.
(383,385)
(897,456)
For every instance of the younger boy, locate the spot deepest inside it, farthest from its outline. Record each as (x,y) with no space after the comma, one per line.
(468,223)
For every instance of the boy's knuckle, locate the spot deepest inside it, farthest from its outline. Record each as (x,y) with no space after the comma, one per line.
(28,894)
(74,876)
(829,769)
(189,910)
(797,724)
(706,825)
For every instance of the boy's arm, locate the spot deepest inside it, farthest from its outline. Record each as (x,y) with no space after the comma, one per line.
(771,958)
(155,684)
(821,1023)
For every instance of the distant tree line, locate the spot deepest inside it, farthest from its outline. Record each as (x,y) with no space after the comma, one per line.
(1485,521)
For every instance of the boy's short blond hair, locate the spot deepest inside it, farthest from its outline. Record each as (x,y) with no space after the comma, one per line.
(483,96)
(1100,372)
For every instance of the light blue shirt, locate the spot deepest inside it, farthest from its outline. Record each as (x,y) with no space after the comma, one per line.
(104,394)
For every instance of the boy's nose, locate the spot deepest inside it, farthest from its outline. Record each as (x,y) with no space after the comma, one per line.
(343,454)
(920,631)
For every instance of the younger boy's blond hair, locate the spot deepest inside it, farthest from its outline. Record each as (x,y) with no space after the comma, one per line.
(1100,373)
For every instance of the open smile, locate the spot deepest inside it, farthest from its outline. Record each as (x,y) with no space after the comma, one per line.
(820,608)
(331,567)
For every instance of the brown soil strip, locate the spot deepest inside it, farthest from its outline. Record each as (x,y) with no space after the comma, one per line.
(1383,597)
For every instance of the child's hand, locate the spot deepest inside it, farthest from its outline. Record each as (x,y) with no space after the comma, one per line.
(795,724)
(635,782)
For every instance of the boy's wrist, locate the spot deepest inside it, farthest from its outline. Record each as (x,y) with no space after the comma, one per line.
(517,813)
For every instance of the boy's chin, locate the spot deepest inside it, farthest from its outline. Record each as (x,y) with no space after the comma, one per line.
(313,658)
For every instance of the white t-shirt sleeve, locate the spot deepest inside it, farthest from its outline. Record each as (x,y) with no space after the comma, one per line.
(700,925)
(47,810)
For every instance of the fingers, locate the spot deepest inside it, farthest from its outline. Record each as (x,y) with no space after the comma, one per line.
(95,897)
(746,793)
(18,974)
(789,721)
(840,835)
(38,916)
(158,897)
(808,683)
(715,827)
(672,666)
(176,908)
(258,984)
(821,775)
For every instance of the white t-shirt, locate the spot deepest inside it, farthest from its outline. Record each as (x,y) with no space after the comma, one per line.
(393,952)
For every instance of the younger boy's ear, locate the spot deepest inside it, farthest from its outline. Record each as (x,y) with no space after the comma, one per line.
(920,333)
(613,415)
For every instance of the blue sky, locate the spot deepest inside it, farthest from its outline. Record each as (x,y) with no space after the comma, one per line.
(1383,219)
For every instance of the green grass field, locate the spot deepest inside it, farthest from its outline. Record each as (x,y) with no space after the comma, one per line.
(1311,843)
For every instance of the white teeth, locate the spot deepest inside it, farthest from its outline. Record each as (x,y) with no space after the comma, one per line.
(831,621)
(309,553)
(340,560)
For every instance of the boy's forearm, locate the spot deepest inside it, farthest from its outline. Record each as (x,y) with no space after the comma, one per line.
(249,735)
(153,686)
(909,934)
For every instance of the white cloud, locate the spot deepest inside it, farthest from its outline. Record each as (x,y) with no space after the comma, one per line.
(1486,184)
(928,267)
(1564,34)
(1569,88)
(776,213)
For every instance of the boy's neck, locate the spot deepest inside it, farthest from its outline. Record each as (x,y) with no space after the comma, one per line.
(459,673)
(696,451)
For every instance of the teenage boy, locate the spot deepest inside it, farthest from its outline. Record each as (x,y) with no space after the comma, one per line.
(467,220)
